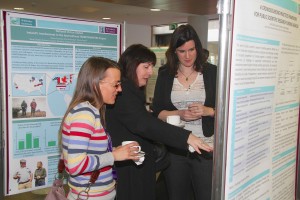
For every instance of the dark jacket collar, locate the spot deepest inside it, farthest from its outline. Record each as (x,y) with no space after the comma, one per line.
(130,87)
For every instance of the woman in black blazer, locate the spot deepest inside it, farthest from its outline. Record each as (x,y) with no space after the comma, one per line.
(186,86)
(128,119)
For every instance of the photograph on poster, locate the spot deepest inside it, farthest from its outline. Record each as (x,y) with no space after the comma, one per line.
(28,107)
(29,173)
(40,174)
(23,176)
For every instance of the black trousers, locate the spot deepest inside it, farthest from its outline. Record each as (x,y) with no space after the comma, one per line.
(189,176)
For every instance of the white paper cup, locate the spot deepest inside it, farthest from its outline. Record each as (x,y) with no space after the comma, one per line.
(173,119)
(128,142)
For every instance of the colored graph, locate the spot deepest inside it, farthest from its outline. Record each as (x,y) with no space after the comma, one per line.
(29,142)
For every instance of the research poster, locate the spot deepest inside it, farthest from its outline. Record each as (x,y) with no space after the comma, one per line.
(264,100)
(43,55)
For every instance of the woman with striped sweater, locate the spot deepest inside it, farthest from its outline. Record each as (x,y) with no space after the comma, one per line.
(86,146)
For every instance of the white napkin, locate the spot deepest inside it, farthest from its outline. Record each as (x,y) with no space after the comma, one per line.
(140,161)
(191,149)
(142,158)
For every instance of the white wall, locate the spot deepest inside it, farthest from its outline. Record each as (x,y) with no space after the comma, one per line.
(137,34)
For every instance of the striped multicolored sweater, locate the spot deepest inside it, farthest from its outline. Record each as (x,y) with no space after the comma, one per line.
(85,143)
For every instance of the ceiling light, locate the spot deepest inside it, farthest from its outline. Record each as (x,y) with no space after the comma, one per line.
(106,18)
(155,9)
(18,8)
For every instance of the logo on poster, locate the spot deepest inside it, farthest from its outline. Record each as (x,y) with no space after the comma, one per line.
(101,29)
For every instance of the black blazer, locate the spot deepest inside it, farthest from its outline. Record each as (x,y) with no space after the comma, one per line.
(128,119)
(163,88)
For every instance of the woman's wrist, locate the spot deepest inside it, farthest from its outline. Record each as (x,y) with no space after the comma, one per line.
(179,113)
(213,112)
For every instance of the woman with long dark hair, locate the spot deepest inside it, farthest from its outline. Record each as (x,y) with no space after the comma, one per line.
(186,86)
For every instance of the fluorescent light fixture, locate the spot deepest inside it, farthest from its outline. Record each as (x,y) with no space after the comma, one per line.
(106,18)
(155,9)
(18,8)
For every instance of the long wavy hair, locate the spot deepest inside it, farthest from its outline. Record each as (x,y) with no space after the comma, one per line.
(87,86)
(181,35)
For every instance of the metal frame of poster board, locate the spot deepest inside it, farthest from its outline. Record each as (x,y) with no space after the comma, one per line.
(223,76)
(280,159)
(42,57)
(1,121)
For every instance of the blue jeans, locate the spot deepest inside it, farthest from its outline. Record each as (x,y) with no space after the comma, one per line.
(39,182)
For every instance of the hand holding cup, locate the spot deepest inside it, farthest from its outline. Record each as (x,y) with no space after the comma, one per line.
(128,151)
(137,149)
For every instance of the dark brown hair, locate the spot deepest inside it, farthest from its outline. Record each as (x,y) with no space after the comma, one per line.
(181,35)
(132,57)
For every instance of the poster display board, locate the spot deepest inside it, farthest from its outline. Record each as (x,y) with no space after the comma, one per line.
(43,55)
(264,100)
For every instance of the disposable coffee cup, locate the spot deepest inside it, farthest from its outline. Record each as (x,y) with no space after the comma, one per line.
(128,142)
(173,119)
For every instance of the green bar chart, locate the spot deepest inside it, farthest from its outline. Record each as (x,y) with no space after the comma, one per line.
(51,143)
(21,144)
(36,142)
(30,142)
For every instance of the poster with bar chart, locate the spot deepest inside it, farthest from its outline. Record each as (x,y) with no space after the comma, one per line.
(33,139)
(43,55)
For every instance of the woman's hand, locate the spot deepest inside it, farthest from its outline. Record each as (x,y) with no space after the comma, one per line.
(199,110)
(198,143)
(187,115)
(126,152)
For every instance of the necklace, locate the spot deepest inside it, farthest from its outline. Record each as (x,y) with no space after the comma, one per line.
(186,77)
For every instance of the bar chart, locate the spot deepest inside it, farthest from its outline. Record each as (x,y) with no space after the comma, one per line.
(29,142)
(33,140)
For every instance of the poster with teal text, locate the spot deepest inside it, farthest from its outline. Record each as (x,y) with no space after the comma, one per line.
(43,55)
